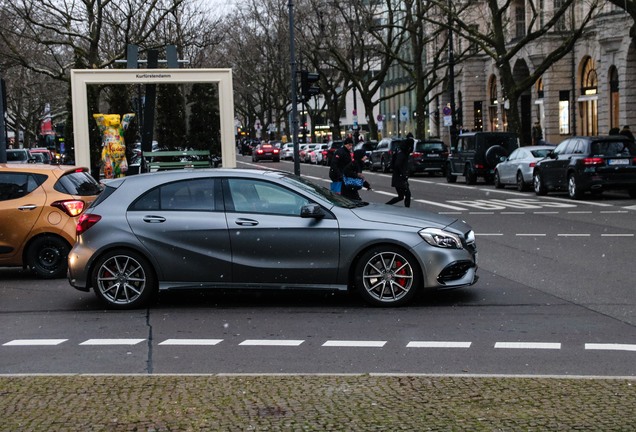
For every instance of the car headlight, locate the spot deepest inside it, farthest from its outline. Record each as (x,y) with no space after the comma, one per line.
(440,238)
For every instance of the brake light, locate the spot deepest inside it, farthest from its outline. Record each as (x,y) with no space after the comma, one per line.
(593,161)
(479,166)
(532,164)
(416,154)
(85,222)
(259,151)
(70,207)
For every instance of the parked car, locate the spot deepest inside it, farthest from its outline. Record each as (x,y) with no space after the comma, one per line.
(477,153)
(39,208)
(229,228)
(287,151)
(368,147)
(581,164)
(382,156)
(307,151)
(428,156)
(266,151)
(331,151)
(19,156)
(517,169)
(43,155)
(317,155)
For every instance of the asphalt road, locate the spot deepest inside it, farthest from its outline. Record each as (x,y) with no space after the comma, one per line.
(556,296)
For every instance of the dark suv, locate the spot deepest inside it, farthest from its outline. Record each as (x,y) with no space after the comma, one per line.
(383,154)
(581,164)
(477,154)
(429,156)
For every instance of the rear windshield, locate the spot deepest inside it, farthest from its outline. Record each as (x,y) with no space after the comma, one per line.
(613,148)
(78,183)
(18,155)
(541,153)
(425,146)
(506,141)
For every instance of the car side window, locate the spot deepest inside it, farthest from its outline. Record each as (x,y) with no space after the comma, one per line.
(17,185)
(560,149)
(517,154)
(188,195)
(266,198)
(578,147)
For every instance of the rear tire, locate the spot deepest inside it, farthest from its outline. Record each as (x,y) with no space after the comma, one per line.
(574,191)
(471,176)
(123,279)
(537,182)
(521,185)
(450,178)
(47,256)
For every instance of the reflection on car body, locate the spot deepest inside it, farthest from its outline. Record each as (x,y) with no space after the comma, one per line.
(231,228)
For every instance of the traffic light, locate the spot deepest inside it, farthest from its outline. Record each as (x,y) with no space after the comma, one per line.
(308,84)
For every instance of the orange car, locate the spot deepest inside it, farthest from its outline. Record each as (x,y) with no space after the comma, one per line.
(39,208)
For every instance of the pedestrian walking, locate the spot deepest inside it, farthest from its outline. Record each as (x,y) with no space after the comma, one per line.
(353,180)
(340,160)
(537,133)
(400,177)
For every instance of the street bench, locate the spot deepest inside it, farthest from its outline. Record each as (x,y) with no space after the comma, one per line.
(178,159)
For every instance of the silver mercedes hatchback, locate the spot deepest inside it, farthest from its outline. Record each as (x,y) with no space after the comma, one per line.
(236,228)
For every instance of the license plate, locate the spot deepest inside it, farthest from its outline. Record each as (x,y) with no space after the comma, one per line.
(432,155)
(618,161)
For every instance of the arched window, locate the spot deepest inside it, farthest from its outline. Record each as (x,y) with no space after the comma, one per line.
(614,96)
(589,97)
(493,104)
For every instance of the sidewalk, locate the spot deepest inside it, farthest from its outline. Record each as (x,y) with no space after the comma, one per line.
(314,403)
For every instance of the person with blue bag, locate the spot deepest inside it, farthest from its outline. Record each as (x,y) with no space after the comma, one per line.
(340,160)
(353,180)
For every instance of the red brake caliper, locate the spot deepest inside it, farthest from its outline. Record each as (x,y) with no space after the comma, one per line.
(402,271)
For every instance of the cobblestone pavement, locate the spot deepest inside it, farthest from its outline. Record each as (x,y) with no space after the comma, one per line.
(314,403)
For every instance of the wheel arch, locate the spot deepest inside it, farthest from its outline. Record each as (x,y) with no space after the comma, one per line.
(118,247)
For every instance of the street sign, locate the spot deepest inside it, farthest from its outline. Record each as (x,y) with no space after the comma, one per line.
(446,110)
(404,113)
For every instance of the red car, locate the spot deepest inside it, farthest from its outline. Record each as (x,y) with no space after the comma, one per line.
(266,152)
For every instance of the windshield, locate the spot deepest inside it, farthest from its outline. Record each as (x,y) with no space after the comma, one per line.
(541,153)
(613,148)
(320,192)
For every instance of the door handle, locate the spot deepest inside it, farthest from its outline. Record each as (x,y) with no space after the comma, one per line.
(28,207)
(154,219)
(246,222)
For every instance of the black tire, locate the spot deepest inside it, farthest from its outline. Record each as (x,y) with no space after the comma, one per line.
(574,191)
(494,155)
(539,187)
(123,279)
(521,185)
(387,276)
(450,178)
(498,184)
(47,256)
(470,175)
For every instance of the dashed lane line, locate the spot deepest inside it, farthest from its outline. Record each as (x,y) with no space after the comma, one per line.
(328,343)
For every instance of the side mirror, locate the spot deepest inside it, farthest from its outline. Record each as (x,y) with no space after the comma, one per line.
(503,158)
(552,154)
(312,211)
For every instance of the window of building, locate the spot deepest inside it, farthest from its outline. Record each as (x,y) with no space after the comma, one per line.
(564,112)
(589,98)
(493,108)
(478,116)
(560,25)
(614,96)
(520,20)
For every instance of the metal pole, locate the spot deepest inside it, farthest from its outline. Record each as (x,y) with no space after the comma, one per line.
(294,96)
(451,76)
(3,130)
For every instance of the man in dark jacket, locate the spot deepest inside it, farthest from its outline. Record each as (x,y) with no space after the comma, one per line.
(400,177)
(340,160)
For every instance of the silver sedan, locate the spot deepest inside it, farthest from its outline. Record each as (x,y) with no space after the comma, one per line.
(517,168)
(231,228)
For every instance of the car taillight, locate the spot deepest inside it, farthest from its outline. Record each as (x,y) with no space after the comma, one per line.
(275,151)
(70,207)
(85,222)
(593,161)
(532,164)
(444,154)
(479,166)
(416,154)
(259,151)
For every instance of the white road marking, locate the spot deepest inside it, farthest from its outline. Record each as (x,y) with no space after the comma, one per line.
(438,344)
(617,235)
(191,342)
(580,212)
(112,341)
(34,342)
(530,235)
(354,344)
(528,345)
(488,234)
(440,204)
(271,342)
(574,235)
(611,347)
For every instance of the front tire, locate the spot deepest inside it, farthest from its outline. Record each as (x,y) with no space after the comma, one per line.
(47,256)
(387,276)
(450,178)
(123,279)
(471,176)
